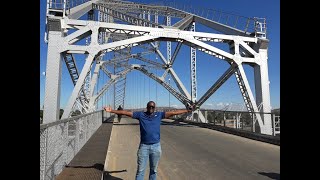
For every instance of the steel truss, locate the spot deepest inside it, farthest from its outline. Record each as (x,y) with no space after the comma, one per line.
(245,48)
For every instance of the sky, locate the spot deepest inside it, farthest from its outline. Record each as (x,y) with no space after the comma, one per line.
(140,89)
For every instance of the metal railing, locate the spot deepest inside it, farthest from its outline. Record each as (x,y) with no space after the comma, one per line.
(238,120)
(73,3)
(56,4)
(243,23)
(243,120)
(60,141)
(63,5)
(276,124)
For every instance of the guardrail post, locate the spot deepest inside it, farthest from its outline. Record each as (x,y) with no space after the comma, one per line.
(252,120)
(224,119)
(274,124)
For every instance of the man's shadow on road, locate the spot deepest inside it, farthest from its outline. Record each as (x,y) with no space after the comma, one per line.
(271,175)
(107,176)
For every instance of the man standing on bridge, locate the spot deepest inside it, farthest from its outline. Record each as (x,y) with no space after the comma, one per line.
(150,147)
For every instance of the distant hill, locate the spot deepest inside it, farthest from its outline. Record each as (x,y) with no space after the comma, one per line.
(161,108)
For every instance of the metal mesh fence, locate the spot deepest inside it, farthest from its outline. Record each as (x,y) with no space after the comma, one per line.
(55,4)
(243,23)
(243,120)
(60,141)
(276,125)
(73,3)
(43,138)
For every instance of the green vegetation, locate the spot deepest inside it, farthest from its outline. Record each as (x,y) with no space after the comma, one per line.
(41,115)
(61,112)
(75,113)
(276,111)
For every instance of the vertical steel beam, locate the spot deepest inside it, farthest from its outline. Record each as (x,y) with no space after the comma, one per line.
(262,90)
(94,80)
(156,20)
(193,66)
(51,108)
(168,42)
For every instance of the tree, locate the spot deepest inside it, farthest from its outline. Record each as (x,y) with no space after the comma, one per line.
(75,113)
(41,114)
(61,112)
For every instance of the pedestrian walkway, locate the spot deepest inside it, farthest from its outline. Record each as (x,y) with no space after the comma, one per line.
(121,160)
(88,163)
(188,152)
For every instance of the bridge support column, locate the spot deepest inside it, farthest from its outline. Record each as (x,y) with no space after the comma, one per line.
(198,116)
(51,108)
(262,82)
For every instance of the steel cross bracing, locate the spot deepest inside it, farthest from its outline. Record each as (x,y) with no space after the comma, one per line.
(183,99)
(75,10)
(138,56)
(243,83)
(156,33)
(155,65)
(244,93)
(247,45)
(120,85)
(216,85)
(133,31)
(88,41)
(113,79)
(73,71)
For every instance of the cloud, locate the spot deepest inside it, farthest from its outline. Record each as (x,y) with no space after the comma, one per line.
(220,104)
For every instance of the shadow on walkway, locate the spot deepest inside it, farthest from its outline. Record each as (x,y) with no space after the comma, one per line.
(107,176)
(176,123)
(271,175)
(97,166)
(108,120)
(88,163)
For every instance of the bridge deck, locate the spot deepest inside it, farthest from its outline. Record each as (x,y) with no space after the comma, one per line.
(192,152)
(188,152)
(89,161)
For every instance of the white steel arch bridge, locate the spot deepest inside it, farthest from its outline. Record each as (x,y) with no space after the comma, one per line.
(110,33)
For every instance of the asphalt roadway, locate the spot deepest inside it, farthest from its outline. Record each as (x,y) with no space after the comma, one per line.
(191,152)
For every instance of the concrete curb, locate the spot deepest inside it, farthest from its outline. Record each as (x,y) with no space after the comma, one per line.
(107,157)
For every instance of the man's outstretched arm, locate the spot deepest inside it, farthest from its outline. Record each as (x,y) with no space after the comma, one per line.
(120,112)
(176,112)
(189,108)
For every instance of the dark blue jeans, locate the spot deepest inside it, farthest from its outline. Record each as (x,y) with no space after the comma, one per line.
(145,152)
